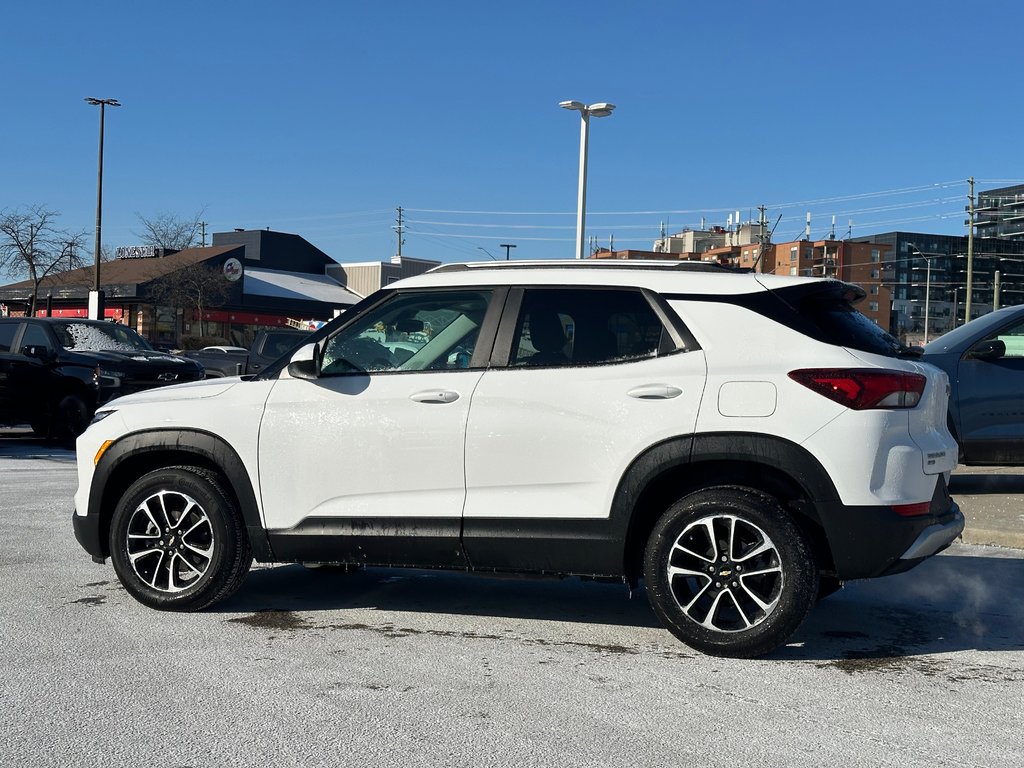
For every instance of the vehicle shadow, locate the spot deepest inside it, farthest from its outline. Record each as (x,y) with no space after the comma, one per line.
(22,443)
(949,603)
(991,483)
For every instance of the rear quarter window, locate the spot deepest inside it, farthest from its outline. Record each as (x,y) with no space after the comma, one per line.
(827,313)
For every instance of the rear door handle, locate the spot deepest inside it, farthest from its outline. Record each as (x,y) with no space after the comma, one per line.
(655,392)
(435,396)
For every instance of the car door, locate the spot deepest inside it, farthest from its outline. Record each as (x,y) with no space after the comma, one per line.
(991,395)
(585,380)
(366,462)
(30,379)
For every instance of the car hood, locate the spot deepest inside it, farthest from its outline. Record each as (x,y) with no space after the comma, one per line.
(143,358)
(194,390)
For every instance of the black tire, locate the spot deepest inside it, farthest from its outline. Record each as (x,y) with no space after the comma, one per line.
(41,427)
(73,416)
(177,541)
(708,602)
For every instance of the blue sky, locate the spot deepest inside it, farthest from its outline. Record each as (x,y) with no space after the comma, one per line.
(320,118)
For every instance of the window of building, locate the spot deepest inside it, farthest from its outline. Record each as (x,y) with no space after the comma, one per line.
(874,290)
(873,306)
(874,274)
(876,255)
(792,270)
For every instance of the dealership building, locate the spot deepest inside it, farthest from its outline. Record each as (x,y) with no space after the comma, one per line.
(273,279)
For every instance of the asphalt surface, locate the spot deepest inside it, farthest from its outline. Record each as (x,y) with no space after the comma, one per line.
(413,668)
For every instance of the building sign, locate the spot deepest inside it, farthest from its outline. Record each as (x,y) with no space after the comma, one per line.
(232,269)
(137,252)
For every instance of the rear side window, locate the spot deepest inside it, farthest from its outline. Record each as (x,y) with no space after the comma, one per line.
(832,318)
(567,326)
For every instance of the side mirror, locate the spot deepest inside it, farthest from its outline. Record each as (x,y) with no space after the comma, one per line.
(988,350)
(39,352)
(305,363)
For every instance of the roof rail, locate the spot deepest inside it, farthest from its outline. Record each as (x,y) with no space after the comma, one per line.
(652,264)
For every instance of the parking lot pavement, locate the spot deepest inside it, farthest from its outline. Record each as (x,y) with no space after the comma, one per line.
(414,668)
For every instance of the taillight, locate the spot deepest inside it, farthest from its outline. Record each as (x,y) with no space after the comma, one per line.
(912,510)
(864,388)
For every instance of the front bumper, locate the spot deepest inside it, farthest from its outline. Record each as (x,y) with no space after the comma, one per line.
(88,534)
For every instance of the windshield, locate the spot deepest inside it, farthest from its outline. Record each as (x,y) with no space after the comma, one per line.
(99,337)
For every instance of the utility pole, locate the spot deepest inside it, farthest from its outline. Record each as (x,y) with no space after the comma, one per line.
(970,251)
(507,247)
(202,230)
(995,292)
(400,228)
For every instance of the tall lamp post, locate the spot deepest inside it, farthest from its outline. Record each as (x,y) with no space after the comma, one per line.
(96,295)
(600,109)
(927,288)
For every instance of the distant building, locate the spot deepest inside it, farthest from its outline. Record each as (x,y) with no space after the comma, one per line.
(365,277)
(943,287)
(1000,213)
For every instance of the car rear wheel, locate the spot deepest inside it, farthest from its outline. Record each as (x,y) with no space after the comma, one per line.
(729,573)
(178,541)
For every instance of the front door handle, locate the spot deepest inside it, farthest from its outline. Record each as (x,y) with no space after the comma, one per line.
(655,392)
(435,396)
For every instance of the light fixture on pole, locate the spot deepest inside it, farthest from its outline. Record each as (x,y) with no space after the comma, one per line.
(600,109)
(481,248)
(96,308)
(507,247)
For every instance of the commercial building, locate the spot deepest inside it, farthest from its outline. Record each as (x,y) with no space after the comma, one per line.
(270,278)
(365,277)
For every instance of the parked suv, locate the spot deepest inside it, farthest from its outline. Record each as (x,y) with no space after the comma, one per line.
(742,443)
(55,372)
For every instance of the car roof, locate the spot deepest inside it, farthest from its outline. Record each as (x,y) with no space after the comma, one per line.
(662,276)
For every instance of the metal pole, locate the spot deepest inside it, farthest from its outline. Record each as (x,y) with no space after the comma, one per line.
(927,295)
(96,295)
(507,247)
(581,204)
(995,292)
(970,251)
(99,216)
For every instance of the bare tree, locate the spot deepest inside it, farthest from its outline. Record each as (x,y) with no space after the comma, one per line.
(197,286)
(165,230)
(31,244)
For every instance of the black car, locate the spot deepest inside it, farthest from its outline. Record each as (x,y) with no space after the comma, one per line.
(54,373)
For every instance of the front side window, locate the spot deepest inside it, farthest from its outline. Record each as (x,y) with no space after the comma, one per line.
(417,331)
(567,326)
(34,336)
(1013,338)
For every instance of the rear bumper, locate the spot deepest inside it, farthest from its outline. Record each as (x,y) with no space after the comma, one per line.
(936,537)
(869,541)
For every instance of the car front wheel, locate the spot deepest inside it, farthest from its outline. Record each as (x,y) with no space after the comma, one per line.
(729,573)
(178,541)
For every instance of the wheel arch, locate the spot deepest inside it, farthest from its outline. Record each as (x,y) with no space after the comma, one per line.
(133,455)
(675,468)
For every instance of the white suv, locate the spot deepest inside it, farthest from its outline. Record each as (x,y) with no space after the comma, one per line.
(741,442)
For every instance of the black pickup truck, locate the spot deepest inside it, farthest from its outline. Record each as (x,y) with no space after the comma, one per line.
(267,347)
(55,372)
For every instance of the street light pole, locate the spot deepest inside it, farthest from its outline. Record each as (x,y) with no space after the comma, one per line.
(927,288)
(96,295)
(507,247)
(600,109)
